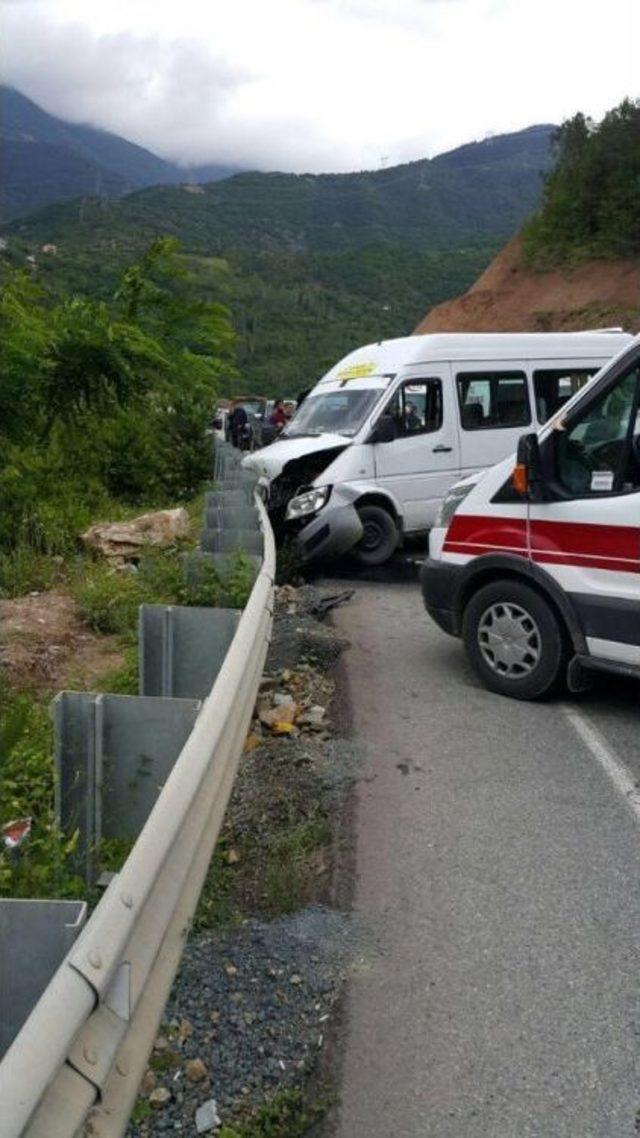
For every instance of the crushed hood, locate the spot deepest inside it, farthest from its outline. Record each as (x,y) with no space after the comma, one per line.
(269,462)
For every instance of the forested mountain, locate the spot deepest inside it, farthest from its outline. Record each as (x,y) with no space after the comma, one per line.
(477,193)
(46,160)
(309,265)
(576,263)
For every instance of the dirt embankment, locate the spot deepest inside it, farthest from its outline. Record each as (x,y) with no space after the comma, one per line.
(510,297)
(45,645)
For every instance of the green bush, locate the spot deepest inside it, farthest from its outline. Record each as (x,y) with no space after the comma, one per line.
(591,202)
(109,598)
(103,405)
(40,867)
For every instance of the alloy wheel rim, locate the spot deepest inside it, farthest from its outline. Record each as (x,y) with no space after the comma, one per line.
(509,640)
(371,536)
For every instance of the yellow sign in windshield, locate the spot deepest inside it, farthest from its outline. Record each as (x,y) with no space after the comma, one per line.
(356,371)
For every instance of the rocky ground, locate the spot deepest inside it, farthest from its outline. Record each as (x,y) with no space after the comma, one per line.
(247,1024)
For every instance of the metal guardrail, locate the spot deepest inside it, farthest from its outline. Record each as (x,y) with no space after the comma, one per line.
(79,1058)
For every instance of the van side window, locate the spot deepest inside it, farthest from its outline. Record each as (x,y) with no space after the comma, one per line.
(553,387)
(416,407)
(490,399)
(600,454)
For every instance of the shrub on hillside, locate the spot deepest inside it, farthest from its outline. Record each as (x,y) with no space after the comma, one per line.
(104,401)
(591,203)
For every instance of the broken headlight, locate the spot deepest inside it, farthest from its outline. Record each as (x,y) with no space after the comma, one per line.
(308,503)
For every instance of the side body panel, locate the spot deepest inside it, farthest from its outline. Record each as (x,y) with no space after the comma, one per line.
(417,471)
(591,546)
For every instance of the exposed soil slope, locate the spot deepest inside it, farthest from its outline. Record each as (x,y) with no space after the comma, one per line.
(45,645)
(509,297)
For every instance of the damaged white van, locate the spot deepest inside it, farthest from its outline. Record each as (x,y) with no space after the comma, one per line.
(377,443)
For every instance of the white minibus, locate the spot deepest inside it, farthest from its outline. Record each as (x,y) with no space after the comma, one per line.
(377,443)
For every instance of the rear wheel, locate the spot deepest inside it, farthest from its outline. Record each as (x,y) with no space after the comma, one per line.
(514,640)
(380,537)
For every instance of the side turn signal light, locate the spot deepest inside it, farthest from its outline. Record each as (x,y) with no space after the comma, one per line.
(520,479)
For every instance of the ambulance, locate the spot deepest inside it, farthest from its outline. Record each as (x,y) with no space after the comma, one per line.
(535,564)
(377,443)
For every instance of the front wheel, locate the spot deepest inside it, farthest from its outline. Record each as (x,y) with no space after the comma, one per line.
(380,535)
(514,640)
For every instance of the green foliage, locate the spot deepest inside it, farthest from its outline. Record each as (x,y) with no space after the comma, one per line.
(109,599)
(103,403)
(275,867)
(291,862)
(294,313)
(591,203)
(26,569)
(478,192)
(309,266)
(289,1114)
(124,680)
(39,868)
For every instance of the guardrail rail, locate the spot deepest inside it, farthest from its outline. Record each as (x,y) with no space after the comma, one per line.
(76,1064)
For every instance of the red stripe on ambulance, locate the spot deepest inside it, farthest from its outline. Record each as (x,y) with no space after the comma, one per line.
(581,545)
(486,534)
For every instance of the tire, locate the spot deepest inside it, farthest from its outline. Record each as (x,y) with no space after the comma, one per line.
(380,538)
(515,640)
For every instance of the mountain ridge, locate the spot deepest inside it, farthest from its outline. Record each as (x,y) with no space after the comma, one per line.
(478,193)
(77,153)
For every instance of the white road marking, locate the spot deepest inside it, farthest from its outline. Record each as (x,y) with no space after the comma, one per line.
(617,772)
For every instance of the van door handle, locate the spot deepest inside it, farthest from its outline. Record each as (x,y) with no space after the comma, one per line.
(442,449)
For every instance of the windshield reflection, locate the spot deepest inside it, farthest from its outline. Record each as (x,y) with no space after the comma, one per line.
(340,412)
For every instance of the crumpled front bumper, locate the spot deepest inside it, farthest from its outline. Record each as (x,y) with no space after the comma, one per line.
(334,530)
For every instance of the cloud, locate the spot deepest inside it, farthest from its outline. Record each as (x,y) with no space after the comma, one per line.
(318,84)
(150,91)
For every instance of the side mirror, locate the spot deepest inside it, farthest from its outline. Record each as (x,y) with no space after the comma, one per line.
(527,478)
(384,430)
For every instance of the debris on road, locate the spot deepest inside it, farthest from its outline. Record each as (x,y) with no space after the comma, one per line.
(325,604)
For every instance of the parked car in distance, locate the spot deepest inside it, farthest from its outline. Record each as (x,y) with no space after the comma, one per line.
(377,443)
(535,564)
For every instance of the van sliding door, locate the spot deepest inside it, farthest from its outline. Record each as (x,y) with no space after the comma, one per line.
(494,409)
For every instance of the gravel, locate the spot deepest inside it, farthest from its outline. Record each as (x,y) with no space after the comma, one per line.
(254,1004)
(258,1002)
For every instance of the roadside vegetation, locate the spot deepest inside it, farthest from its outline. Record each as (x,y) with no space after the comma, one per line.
(293,313)
(103,408)
(103,405)
(591,199)
(107,602)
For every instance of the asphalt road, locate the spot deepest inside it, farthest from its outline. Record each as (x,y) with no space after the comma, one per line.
(498,886)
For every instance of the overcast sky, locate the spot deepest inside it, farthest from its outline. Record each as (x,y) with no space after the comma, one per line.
(319,85)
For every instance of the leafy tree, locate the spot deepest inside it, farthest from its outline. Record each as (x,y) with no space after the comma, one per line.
(104,399)
(591,202)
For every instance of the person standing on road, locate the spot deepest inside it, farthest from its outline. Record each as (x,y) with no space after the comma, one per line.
(237,424)
(278,418)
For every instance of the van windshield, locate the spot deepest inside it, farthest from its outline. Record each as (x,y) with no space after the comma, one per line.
(340,412)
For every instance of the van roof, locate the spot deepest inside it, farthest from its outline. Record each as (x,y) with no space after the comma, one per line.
(388,356)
